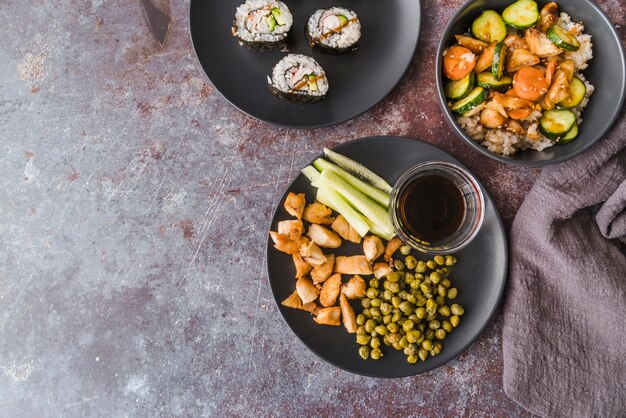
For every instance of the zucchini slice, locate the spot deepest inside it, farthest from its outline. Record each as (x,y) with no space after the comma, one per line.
(487,81)
(522,14)
(499,58)
(460,88)
(489,27)
(476,97)
(555,124)
(577,92)
(571,135)
(562,38)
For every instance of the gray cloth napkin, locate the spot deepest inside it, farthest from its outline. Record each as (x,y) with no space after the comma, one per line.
(564,336)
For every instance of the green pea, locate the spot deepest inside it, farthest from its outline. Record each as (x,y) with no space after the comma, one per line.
(376,354)
(439,259)
(375,312)
(434,324)
(374,283)
(411,359)
(421,267)
(413,318)
(364,352)
(427,345)
(393,327)
(386,341)
(366,313)
(366,303)
(454,320)
(403,342)
(360,330)
(375,342)
(408,325)
(415,284)
(363,339)
(447,326)
(413,335)
(398,264)
(403,294)
(394,338)
(421,300)
(450,260)
(381,329)
(411,299)
(440,300)
(435,277)
(411,262)
(452,293)
(446,283)
(436,349)
(457,309)
(387,319)
(440,334)
(425,288)
(394,287)
(360,319)
(370,324)
(420,313)
(421,326)
(423,354)
(431,264)
(396,317)
(406,308)
(431,306)
(386,308)
(393,277)
(432,316)
(405,250)
(376,303)
(429,334)
(444,310)
(387,295)
(372,293)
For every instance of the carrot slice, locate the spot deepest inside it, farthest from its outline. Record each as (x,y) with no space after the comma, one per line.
(530,84)
(550,70)
(519,114)
(458,62)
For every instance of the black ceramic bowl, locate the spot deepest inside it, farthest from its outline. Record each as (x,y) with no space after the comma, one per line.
(606,71)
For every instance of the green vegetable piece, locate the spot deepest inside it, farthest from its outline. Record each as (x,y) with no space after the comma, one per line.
(489,27)
(522,14)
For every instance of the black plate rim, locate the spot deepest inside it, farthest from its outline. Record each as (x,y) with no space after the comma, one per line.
(412,372)
(320,125)
(451,120)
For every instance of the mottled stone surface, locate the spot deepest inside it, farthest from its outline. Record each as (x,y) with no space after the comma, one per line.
(133,220)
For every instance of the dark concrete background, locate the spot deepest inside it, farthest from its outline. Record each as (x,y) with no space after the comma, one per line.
(135,203)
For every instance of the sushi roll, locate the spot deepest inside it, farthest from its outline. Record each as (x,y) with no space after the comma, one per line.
(263,25)
(298,78)
(336,30)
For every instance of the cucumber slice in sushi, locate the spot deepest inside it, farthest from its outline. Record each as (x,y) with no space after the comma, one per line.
(262,25)
(488,81)
(476,97)
(499,57)
(562,38)
(458,89)
(577,90)
(298,78)
(555,124)
(571,135)
(335,30)
(522,14)
(489,27)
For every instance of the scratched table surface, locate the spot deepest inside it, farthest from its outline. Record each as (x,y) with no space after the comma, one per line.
(134,209)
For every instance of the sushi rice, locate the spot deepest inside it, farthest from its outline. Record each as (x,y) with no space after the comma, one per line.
(263,25)
(334,30)
(298,78)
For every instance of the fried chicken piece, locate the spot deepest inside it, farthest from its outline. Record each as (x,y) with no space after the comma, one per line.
(312,254)
(344,229)
(292,301)
(569,68)
(548,16)
(316,213)
(329,316)
(514,42)
(323,237)
(373,247)
(330,290)
(486,58)
(306,290)
(491,119)
(283,244)
(475,45)
(520,58)
(513,126)
(302,267)
(392,246)
(381,270)
(321,273)
(347,313)
(292,229)
(294,204)
(559,90)
(540,45)
(357,264)
(354,288)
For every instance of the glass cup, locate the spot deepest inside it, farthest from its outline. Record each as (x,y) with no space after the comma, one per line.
(474,207)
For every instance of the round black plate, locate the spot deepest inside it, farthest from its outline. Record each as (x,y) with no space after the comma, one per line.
(479,275)
(357,80)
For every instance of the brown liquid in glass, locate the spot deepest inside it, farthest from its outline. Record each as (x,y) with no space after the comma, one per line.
(431,208)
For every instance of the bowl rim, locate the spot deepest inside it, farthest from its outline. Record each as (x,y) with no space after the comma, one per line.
(450,119)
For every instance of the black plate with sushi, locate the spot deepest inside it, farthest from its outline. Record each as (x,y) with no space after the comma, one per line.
(304,63)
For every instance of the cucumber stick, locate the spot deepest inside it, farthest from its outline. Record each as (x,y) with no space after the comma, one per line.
(312,174)
(333,200)
(377,195)
(376,231)
(358,169)
(372,210)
